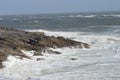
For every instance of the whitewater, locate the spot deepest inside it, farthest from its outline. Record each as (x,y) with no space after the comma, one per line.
(100,62)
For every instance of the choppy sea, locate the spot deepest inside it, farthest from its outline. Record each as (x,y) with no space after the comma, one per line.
(100,62)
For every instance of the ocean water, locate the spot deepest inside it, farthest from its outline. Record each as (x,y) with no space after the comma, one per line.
(101,62)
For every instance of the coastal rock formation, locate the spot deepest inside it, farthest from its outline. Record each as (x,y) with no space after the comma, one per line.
(12,41)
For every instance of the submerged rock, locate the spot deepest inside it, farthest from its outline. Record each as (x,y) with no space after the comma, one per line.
(12,41)
(73,58)
(39,59)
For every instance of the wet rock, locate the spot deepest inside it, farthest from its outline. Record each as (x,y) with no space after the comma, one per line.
(86,45)
(12,41)
(73,58)
(38,54)
(52,52)
(39,59)
(3,57)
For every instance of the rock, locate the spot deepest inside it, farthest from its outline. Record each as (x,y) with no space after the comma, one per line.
(38,54)
(12,41)
(86,45)
(73,58)
(3,56)
(39,59)
(52,52)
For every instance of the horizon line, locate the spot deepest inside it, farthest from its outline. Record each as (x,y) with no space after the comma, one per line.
(60,13)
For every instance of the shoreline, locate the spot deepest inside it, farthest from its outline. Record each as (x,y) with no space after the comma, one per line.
(12,41)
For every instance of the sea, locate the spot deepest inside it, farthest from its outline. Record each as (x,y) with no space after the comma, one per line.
(101,30)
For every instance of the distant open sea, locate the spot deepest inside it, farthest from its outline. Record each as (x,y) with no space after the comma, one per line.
(100,62)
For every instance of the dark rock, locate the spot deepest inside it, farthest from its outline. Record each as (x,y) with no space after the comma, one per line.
(73,58)
(38,54)
(52,52)
(12,41)
(39,59)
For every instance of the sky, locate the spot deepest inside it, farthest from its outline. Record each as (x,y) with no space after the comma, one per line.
(8,7)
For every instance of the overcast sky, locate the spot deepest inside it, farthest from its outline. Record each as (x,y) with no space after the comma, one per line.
(56,6)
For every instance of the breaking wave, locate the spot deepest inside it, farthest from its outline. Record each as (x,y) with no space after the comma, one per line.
(101,61)
(85,16)
(112,15)
(92,16)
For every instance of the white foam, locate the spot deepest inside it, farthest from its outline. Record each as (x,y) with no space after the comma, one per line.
(26,68)
(36,21)
(1,19)
(116,55)
(98,41)
(28,53)
(101,58)
(112,15)
(58,33)
(85,16)
(15,19)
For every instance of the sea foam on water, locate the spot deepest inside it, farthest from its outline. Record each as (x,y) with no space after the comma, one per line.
(101,61)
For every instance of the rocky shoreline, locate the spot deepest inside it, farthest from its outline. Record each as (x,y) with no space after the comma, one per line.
(12,41)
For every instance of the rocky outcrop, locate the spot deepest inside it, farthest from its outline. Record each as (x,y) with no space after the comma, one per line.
(12,41)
